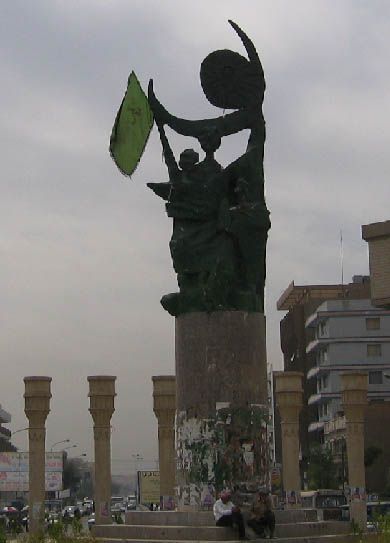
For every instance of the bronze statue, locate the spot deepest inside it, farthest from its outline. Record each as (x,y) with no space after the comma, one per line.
(220,219)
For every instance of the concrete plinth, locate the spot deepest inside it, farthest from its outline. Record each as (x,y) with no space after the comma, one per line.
(289,393)
(164,407)
(354,401)
(222,411)
(101,396)
(37,406)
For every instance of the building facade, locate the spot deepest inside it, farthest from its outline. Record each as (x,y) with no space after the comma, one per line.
(300,302)
(348,335)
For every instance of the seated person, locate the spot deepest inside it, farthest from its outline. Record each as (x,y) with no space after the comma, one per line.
(227,514)
(262,516)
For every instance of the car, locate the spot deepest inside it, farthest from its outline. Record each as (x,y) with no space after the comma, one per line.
(71,511)
(91,521)
(88,506)
(116,508)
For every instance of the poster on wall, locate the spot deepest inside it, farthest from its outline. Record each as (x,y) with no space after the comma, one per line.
(14,471)
(149,486)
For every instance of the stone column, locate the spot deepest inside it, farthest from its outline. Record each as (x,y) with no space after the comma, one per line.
(101,398)
(37,406)
(164,407)
(354,400)
(222,406)
(289,393)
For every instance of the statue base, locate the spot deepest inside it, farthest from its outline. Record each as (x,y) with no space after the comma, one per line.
(199,300)
(222,407)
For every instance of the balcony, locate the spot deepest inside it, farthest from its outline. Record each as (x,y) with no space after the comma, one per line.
(318,344)
(316,426)
(5,432)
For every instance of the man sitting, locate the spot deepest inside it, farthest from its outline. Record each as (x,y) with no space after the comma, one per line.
(262,516)
(227,514)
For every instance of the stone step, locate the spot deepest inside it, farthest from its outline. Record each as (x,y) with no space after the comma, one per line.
(213,533)
(206,518)
(310,529)
(341,538)
(162,533)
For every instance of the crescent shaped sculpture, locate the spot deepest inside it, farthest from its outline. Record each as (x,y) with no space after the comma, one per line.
(249,108)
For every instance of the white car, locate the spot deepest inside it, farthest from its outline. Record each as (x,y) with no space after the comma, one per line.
(91,521)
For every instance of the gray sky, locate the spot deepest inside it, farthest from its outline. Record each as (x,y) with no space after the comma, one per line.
(84,251)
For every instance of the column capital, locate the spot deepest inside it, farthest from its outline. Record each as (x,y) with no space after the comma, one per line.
(354,386)
(101,398)
(164,397)
(289,394)
(37,399)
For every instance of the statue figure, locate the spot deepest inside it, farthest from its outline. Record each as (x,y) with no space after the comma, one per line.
(220,219)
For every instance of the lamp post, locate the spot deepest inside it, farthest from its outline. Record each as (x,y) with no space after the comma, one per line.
(58,442)
(70,447)
(136,458)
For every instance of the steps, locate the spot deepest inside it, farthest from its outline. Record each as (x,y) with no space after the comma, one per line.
(292,526)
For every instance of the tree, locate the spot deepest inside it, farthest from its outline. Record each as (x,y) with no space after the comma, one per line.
(370,455)
(77,477)
(321,468)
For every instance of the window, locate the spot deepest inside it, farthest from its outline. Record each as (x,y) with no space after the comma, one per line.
(375,377)
(322,329)
(373,323)
(325,355)
(374,349)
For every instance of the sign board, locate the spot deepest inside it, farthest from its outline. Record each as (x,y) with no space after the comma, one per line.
(14,471)
(149,486)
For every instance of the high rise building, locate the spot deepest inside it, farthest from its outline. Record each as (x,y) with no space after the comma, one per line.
(300,301)
(348,335)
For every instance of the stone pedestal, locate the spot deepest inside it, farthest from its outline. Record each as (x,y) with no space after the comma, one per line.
(289,393)
(222,406)
(101,397)
(164,407)
(354,400)
(37,406)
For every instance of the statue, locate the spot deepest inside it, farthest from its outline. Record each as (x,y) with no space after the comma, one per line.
(220,219)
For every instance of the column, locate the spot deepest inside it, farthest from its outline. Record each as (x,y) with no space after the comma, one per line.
(354,400)
(101,407)
(289,392)
(37,406)
(164,407)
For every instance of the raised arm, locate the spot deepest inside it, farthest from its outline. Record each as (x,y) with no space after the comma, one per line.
(169,157)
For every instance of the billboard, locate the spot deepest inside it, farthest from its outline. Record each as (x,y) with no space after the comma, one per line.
(149,486)
(14,471)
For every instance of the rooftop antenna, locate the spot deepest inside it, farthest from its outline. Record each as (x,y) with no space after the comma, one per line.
(342,260)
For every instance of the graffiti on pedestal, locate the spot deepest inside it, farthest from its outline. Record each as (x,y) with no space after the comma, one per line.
(229,450)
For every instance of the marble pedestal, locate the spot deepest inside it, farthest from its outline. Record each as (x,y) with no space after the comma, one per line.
(222,406)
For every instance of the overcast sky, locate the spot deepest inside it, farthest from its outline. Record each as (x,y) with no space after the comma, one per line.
(84,256)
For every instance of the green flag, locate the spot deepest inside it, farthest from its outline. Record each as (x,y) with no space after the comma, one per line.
(132,127)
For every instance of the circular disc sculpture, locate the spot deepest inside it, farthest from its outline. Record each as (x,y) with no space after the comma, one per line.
(229,80)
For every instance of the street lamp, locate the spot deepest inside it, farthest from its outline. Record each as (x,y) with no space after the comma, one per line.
(70,447)
(136,458)
(58,442)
